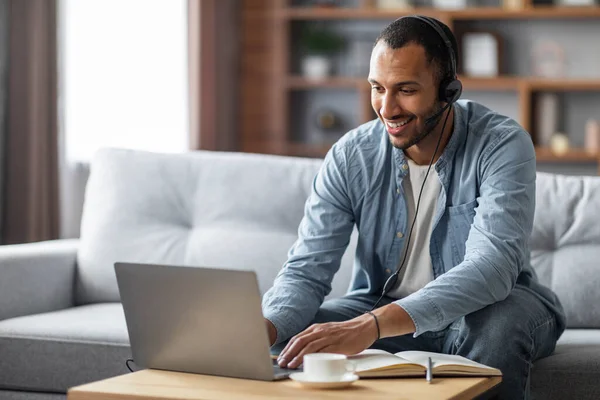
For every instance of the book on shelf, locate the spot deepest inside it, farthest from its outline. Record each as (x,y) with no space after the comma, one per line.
(373,363)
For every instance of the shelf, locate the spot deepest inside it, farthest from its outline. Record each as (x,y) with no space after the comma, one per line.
(547,12)
(309,13)
(295,149)
(308,150)
(300,82)
(572,156)
(499,83)
(495,84)
(564,84)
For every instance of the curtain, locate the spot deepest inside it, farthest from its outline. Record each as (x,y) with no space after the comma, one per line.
(214,74)
(4,24)
(30,192)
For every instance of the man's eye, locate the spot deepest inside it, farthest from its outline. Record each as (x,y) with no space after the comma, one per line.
(408,91)
(376,88)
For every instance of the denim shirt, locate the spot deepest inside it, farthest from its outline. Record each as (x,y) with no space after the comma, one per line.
(479,243)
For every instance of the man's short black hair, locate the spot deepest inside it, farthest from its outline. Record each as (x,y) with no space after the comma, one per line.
(404,31)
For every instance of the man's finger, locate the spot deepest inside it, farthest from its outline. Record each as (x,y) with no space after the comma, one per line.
(295,345)
(313,347)
(289,345)
(290,342)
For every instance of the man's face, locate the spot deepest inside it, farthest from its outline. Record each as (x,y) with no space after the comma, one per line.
(403,92)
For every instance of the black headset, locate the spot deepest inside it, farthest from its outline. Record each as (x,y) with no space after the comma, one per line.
(450,88)
(449,92)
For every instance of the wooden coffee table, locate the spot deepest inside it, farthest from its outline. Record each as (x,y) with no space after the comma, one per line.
(154,384)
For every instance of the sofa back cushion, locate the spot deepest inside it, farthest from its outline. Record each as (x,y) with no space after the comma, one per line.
(224,210)
(566,244)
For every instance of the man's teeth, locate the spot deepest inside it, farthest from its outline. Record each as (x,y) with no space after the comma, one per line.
(398,124)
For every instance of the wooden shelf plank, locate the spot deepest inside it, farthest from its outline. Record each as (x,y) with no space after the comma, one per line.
(547,12)
(476,13)
(300,82)
(296,149)
(308,150)
(544,154)
(498,83)
(564,84)
(309,13)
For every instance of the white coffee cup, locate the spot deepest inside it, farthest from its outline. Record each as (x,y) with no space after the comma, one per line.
(326,366)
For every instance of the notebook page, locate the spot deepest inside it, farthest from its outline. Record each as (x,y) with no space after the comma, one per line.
(420,357)
(372,359)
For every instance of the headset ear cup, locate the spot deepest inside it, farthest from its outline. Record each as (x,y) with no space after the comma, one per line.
(452,90)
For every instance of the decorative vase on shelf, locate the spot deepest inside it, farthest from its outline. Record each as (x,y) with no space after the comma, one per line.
(450,4)
(559,144)
(576,3)
(592,136)
(548,59)
(393,4)
(513,4)
(547,116)
(316,67)
(319,45)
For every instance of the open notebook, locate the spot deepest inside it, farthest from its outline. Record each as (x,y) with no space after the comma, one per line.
(378,363)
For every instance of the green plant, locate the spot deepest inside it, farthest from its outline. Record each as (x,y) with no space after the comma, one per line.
(321,41)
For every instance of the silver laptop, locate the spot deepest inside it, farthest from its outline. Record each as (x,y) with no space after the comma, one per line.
(198,320)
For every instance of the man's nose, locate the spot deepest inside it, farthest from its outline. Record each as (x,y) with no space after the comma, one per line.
(389,107)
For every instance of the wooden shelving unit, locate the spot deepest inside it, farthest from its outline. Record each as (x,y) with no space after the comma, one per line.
(274,135)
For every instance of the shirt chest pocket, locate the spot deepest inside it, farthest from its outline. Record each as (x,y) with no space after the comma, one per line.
(460,218)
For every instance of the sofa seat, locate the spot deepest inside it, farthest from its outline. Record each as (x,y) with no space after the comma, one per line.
(573,370)
(54,351)
(87,343)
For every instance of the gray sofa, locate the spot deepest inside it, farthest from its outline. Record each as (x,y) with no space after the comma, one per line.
(61,323)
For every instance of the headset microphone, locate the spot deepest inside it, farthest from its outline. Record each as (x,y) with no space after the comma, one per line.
(435,116)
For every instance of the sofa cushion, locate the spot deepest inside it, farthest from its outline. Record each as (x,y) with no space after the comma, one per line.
(565,244)
(224,210)
(572,371)
(57,350)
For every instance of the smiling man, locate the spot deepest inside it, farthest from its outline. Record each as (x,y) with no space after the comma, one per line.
(442,192)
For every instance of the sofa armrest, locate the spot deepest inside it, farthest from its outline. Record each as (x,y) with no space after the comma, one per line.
(37,277)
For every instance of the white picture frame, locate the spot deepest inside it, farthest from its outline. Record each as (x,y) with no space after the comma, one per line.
(481,54)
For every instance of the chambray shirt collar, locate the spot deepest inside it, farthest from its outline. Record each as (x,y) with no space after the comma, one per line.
(459,134)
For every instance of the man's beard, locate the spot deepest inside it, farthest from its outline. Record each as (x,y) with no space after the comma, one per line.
(421,133)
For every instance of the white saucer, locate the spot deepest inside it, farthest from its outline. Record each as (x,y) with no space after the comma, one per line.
(301,378)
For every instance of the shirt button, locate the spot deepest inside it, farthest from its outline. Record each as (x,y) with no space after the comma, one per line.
(400,235)
(398,190)
(404,167)
(387,270)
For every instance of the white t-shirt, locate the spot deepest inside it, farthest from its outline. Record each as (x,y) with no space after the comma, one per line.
(417,270)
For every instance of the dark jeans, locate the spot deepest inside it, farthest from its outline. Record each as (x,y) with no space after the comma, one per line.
(509,335)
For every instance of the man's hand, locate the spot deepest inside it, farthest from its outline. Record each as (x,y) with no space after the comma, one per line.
(272,332)
(348,337)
